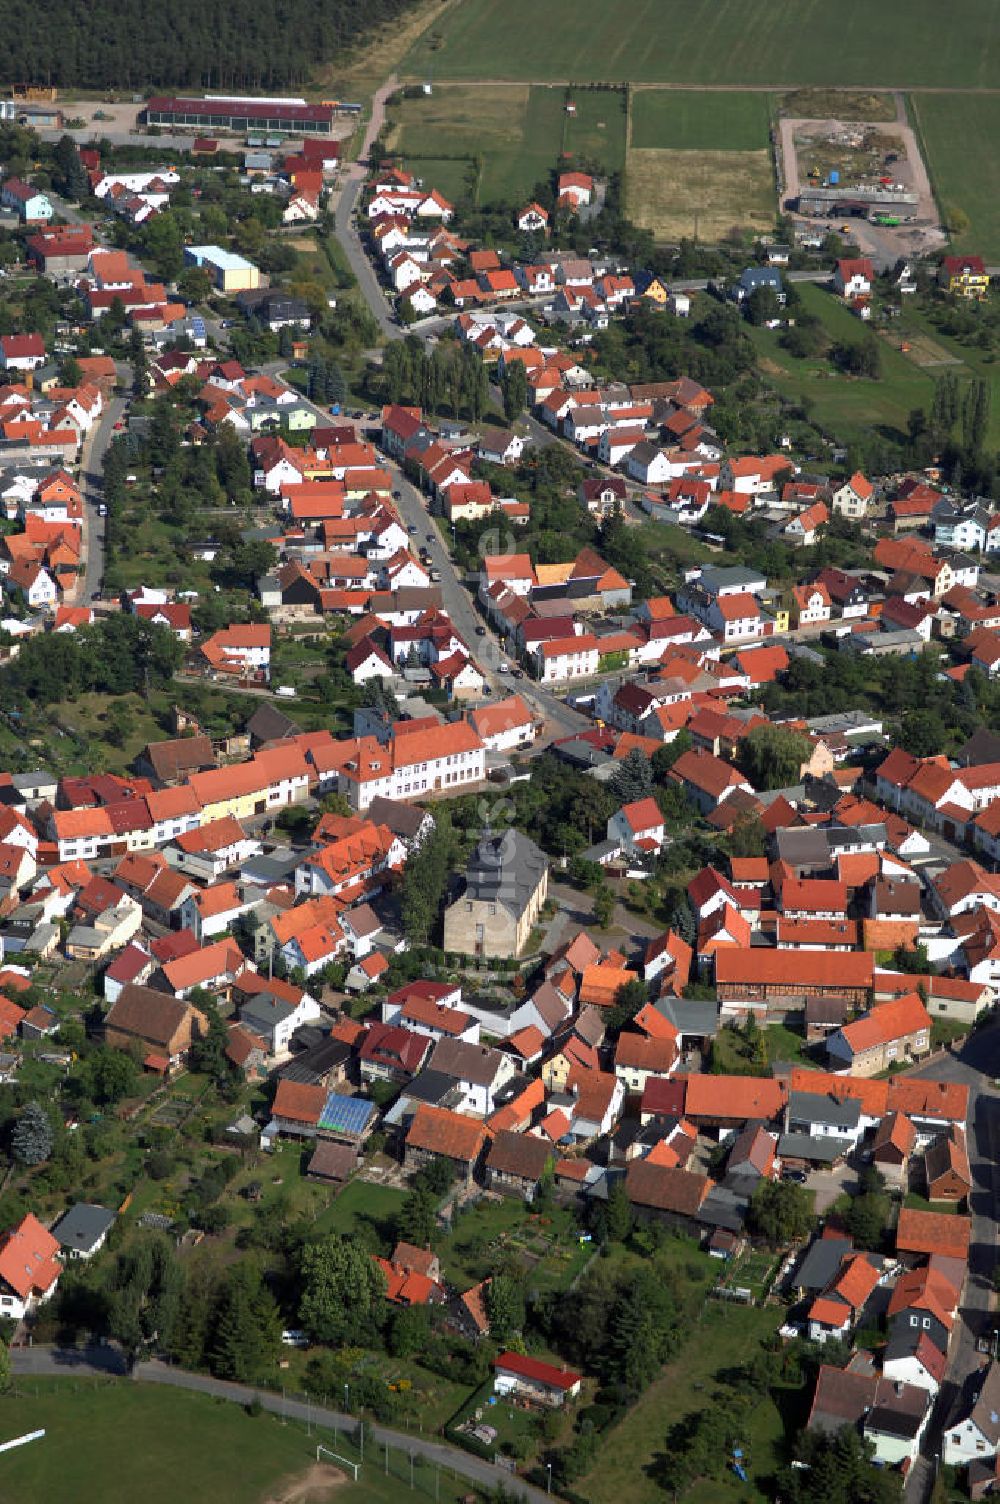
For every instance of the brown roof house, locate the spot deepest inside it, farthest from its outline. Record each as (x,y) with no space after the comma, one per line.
(436,1133)
(332,1163)
(895,1137)
(170,762)
(891,1416)
(516,1163)
(946,1168)
(163,1027)
(665,1194)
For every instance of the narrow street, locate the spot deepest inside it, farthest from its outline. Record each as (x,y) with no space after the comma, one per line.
(978,1066)
(92,454)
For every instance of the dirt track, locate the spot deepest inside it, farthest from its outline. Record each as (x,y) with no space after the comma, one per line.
(314,1486)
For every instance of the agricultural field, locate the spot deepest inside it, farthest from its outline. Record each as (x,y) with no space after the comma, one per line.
(699,194)
(699,120)
(964,181)
(768,43)
(699,163)
(517,131)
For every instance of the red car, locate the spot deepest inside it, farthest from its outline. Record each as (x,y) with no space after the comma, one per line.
(120,423)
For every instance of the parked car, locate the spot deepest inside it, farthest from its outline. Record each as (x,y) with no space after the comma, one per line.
(480,631)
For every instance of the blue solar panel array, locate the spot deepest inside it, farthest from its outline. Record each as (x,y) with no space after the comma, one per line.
(346,1114)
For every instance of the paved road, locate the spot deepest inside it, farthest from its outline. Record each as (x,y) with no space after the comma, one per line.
(94,449)
(28,1362)
(412,506)
(352,182)
(978,1065)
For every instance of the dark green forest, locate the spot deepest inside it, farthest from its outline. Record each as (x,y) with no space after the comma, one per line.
(197,44)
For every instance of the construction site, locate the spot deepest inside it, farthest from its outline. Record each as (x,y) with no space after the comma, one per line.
(867,178)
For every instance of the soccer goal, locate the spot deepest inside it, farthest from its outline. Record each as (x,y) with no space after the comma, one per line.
(355,1467)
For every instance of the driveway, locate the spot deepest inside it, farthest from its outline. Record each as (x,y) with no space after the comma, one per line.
(827,1185)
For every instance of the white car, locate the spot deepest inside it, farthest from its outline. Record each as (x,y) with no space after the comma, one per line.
(503,668)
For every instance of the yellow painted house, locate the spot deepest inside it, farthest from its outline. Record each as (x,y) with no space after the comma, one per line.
(965,277)
(653,288)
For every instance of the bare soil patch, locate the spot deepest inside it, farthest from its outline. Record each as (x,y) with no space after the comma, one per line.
(845,104)
(314,1486)
(924,351)
(699,193)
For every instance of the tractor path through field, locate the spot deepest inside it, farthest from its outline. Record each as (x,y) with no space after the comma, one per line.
(899,90)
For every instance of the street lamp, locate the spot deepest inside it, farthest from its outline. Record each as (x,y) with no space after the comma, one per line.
(548,1486)
(347,1397)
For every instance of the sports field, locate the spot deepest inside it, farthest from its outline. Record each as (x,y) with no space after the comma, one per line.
(900,43)
(682,120)
(965,176)
(115,1442)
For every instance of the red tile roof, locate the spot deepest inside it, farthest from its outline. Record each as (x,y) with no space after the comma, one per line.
(933,1232)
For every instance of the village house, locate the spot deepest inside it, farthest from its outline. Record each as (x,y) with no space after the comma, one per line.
(29,1268)
(891,1032)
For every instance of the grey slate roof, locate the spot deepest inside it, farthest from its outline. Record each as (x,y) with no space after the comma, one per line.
(821,1150)
(263,1013)
(83,1226)
(816,1107)
(690,1015)
(821,1263)
(505,869)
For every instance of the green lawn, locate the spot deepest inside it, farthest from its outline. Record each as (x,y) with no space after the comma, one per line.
(686,120)
(973,360)
(762,42)
(964,179)
(725,1335)
(115,1442)
(596,132)
(361,1202)
(845,405)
